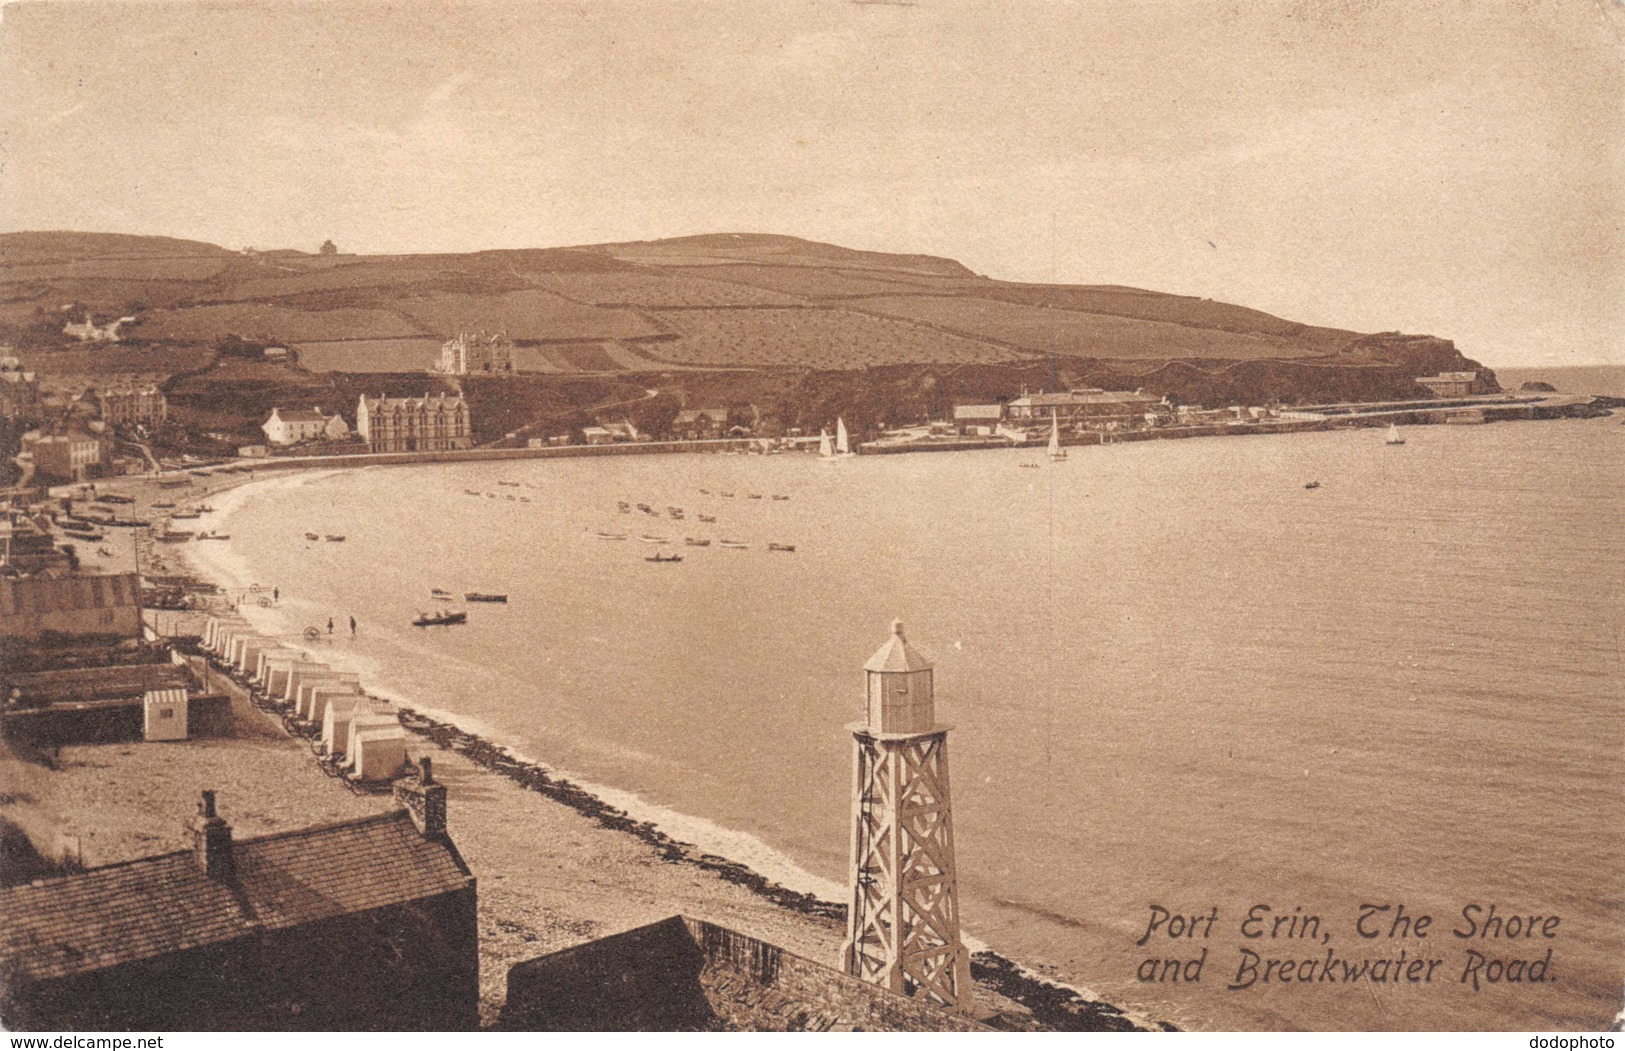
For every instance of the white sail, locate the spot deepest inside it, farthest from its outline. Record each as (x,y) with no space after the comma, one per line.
(825,449)
(1055,452)
(842,448)
(1393,435)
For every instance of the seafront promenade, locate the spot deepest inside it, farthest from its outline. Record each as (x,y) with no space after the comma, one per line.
(1483,409)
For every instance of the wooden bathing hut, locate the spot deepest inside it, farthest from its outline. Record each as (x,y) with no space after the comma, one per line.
(337,719)
(324,697)
(377,753)
(305,699)
(262,666)
(363,721)
(277,670)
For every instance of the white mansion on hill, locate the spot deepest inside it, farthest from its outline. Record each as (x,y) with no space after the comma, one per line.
(476,354)
(432,423)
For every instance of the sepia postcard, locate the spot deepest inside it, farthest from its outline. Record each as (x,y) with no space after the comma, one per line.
(812,515)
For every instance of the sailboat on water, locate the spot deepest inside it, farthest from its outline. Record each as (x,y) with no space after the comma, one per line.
(841,447)
(1055,450)
(1394,437)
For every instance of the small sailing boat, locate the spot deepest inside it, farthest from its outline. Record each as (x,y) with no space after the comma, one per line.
(1055,450)
(826,448)
(842,446)
(1394,437)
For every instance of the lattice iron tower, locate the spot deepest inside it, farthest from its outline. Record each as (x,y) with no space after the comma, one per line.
(903,919)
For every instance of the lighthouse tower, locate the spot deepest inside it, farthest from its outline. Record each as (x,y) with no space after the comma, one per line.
(903,922)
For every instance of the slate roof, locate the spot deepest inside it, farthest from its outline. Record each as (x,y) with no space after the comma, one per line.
(95,684)
(298,415)
(139,910)
(59,594)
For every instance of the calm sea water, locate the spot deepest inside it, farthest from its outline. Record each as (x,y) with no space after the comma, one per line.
(1176,677)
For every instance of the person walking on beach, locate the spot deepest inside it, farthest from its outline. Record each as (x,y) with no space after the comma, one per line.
(352,627)
(330,625)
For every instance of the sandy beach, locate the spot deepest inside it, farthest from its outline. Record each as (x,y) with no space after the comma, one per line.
(558,862)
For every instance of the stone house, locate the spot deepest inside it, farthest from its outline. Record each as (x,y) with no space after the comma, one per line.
(697,424)
(292,426)
(357,925)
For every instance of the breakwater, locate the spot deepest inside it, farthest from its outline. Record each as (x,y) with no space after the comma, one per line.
(1053,1006)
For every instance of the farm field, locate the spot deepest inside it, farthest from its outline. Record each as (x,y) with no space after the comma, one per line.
(265,321)
(358,275)
(150,268)
(110,359)
(655,290)
(776,250)
(535,314)
(369,355)
(821,338)
(1077,334)
(808,282)
(1155,306)
(48,246)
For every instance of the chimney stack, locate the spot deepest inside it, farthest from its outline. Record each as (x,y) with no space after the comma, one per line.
(211,840)
(424,799)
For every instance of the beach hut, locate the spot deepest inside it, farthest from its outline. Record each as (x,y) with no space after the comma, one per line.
(363,721)
(337,719)
(218,631)
(248,657)
(163,715)
(262,666)
(377,753)
(306,671)
(322,697)
(284,672)
(305,701)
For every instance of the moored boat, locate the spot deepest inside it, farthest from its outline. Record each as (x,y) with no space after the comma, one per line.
(482,596)
(336,538)
(426,620)
(610,536)
(647,539)
(694,542)
(737,545)
(781,547)
(312,536)
(708,518)
(663,558)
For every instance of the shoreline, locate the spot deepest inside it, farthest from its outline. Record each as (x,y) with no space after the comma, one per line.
(495,758)
(770,877)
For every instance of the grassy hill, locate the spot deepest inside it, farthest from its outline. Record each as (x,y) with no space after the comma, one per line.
(683,301)
(747,317)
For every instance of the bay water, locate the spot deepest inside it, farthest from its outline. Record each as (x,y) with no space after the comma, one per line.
(1177,678)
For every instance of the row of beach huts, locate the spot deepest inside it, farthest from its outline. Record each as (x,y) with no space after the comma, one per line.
(355,737)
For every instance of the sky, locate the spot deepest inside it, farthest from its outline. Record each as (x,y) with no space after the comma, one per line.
(1452,168)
